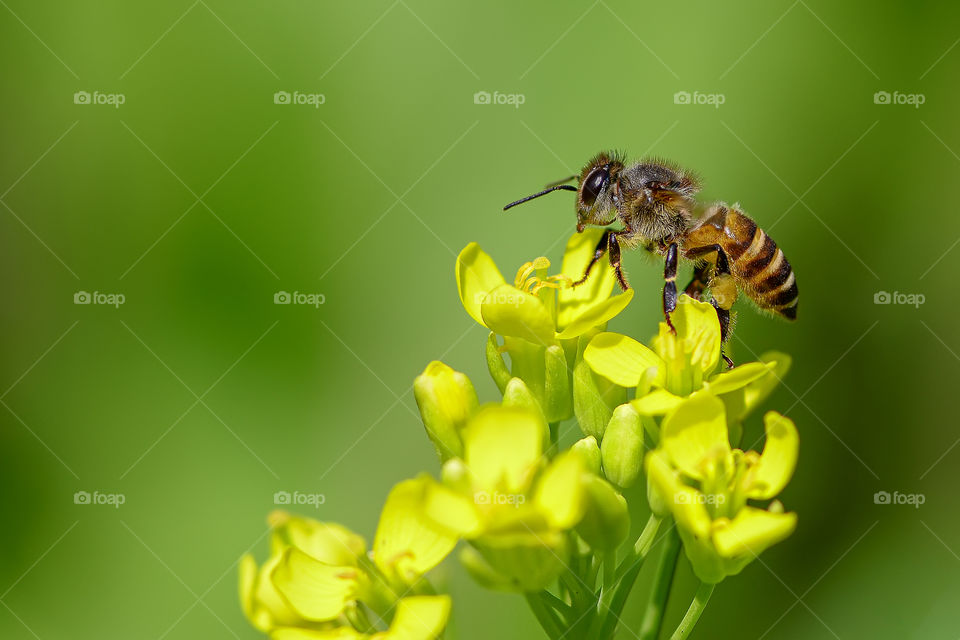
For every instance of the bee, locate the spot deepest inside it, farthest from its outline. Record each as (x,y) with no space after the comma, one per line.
(654,201)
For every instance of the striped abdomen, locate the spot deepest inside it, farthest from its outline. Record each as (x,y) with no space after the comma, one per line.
(756,262)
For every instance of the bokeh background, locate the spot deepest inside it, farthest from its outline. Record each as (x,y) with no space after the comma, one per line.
(199,198)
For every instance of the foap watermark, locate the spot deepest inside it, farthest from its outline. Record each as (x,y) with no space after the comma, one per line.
(97,498)
(98,297)
(485,97)
(298,97)
(912,99)
(297,297)
(98,97)
(500,298)
(512,499)
(712,99)
(298,498)
(912,299)
(912,499)
(700,498)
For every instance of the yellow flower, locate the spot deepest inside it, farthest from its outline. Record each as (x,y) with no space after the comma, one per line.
(319,573)
(513,504)
(326,542)
(536,307)
(704,484)
(539,316)
(416,618)
(683,363)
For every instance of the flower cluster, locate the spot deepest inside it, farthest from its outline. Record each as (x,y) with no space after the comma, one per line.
(321,583)
(533,516)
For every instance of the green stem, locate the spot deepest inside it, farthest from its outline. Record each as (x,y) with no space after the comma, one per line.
(704,591)
(545,616)
(593,571)
(614,598)
(555,603)
(641,547)
(653,616)
(606,593)
(609,569)
(571,582)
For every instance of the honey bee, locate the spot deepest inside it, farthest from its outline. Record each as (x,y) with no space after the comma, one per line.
(654,201)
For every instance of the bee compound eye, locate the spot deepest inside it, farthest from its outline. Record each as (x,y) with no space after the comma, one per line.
(594,183)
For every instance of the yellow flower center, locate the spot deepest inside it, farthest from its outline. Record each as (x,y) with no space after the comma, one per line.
(531,277)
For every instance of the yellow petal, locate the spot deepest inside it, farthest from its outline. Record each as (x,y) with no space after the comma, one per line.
(620,359)
(339,633)
(407,541)
(261,602)
(418,618)
(315,590)
(596,315)
(573,301)
(452,510)
(509,311)
(671,495)
(327,542)
(757,391)
(656,403)
(662,481)
(738,377)
(503,448)
(477,275)
(752,531)
(695,432)
(560,492)
(697,337)
(690,512)
(779,459)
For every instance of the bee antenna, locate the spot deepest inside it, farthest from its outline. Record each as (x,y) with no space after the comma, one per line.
(556,182)
(564,187)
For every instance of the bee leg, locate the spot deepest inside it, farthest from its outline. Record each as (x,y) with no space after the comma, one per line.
(720,283)
(701,276)
(721,273)
(597,254)
(613,250)
(670,284)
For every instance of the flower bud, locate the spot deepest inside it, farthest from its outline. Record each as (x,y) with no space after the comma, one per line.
(589,452)
(517,394)
(593,399)
(606,521)
(495,364)
(446,399)
(622,447)
(557,392)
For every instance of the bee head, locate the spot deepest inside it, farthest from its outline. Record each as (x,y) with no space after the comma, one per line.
(595,193)
(595,190)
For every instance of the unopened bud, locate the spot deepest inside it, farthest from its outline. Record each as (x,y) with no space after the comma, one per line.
(589,452)
(446,399)
(606,520)
(557,388)
(622,447)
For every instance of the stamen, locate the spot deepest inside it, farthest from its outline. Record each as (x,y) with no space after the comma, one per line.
(527,281)
(525,271)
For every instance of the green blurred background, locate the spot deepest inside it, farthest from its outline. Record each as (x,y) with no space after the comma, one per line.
(199,198)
